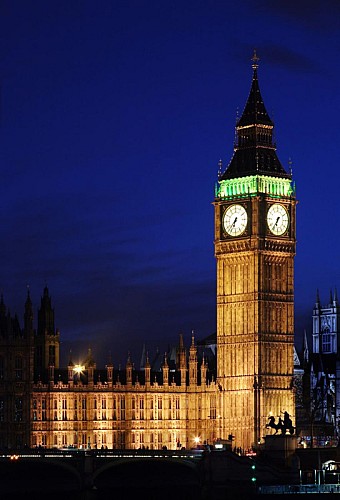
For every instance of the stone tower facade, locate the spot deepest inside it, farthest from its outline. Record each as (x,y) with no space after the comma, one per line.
(254,249)
(47,339)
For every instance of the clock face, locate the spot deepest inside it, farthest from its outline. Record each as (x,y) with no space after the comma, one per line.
(235,220)
(277,219)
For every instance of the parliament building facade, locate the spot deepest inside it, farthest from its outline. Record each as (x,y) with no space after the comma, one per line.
(187,399)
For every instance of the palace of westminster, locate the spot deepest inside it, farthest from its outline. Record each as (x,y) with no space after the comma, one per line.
(225,386)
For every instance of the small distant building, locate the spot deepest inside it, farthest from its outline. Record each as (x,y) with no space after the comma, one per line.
(320,417)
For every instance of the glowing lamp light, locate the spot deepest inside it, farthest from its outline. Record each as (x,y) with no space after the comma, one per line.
(197,440)
(78,369)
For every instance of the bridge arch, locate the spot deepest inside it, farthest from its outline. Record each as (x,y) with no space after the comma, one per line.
(38,474)
(145,475)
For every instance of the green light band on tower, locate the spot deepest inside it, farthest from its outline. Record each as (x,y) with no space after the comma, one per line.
(254,184)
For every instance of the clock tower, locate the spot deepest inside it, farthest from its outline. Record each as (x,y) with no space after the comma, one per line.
(254,249)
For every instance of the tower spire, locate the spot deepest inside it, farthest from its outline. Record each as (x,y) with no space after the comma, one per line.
(255,150)
(255,60)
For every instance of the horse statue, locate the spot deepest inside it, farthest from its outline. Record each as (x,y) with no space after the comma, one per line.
(283,425)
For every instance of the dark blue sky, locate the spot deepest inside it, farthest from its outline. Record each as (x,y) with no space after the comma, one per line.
(114,115)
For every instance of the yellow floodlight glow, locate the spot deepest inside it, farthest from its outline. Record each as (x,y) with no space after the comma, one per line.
(78,369)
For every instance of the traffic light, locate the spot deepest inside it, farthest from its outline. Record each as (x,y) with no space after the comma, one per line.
(231,437)
(253,476)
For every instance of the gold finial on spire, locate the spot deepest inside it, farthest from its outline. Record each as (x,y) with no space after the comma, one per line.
(255,60)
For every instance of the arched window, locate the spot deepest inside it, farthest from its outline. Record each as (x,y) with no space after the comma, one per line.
(18,365)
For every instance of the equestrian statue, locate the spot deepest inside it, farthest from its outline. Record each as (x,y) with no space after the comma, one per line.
(282,425)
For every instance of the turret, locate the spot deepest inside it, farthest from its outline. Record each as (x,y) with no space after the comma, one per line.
(203,371)
(70,370)
(28,317)
(165,369)
(147,370)
(128,371)
(193,362)
(181,360)
(46,315)
(317,300)
(109,371)
(330,298)
(47,340)
(90,365)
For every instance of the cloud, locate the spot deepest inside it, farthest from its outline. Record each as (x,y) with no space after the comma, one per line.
(319,15)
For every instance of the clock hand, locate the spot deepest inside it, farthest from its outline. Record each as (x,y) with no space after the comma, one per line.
(277,220)
(233,224)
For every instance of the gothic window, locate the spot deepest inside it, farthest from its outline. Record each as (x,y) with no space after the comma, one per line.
(141,409)
(103,409)
(177,408)
(51,354)
(18,410)
(64,408)
(18,367)
(133,408)
(35,406)
(122,408)
(160,406)
(151,410)
(43,409)
(326,343)
(213,407)
(83,408)
(2,409)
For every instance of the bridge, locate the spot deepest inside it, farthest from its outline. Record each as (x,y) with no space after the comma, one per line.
(88,474)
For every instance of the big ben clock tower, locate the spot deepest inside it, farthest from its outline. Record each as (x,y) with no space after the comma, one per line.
(254,248)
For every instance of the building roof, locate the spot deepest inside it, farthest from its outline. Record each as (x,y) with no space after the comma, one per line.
(254,152)
(254,110)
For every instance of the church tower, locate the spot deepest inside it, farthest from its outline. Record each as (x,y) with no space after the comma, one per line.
(254,249)
(47,340)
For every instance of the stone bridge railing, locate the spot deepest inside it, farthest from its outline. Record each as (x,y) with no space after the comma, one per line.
(86,466)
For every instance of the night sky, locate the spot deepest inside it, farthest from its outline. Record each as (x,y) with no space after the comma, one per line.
(114,115)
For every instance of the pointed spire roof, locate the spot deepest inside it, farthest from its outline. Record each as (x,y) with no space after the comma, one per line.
(305,348)
(2,306)
(255,110)
(254,151)
(70,362)
(28,302)
(317,300)
(89,361)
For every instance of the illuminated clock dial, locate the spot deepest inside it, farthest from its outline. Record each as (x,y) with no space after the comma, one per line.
(277,219)
(235,220)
